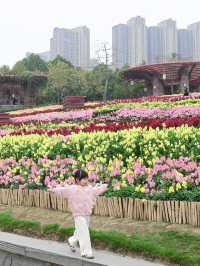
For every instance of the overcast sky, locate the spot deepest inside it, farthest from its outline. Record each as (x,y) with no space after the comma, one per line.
(27,25)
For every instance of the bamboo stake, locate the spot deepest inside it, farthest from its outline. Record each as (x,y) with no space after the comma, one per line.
(169,211)
(135,210)
(99,210)
(149,210)
(176,209)
(198,214)
(154,210)
(121,209)
(105,203)
(172,211)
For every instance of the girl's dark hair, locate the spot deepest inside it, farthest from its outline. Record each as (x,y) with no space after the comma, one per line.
(80,174)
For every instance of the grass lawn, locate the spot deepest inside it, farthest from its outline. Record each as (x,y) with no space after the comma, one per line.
(175,244)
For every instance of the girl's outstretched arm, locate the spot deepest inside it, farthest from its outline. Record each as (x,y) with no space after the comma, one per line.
(98,190)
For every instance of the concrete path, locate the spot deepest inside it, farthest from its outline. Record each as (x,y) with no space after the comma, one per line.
(56,252)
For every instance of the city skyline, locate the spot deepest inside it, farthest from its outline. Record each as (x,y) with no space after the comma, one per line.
(27,25)
(133,43)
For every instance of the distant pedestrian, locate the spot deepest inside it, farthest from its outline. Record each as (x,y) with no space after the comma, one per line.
(186,92)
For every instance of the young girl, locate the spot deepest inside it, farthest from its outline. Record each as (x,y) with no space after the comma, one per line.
(81,200)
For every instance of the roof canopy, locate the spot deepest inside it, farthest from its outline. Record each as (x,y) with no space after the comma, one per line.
(169,73)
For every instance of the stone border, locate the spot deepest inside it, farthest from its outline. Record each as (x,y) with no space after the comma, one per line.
(20,250)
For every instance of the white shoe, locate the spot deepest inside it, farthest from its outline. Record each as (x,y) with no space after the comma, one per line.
(72,248)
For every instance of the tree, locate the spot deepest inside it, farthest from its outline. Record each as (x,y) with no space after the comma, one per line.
(19,68)
(4,70)
(125,67)
(60,59)
(32,63)
(96,80)
(35,64)
(64,80)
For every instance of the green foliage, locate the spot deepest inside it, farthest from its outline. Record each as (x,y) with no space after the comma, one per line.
(50,229)
(4,70)
(26,75)
(65,79)
(28,226)
(60,59)
(35,64)
(7,223)
(192,195)
(119,88)
(19,68)
(65,232)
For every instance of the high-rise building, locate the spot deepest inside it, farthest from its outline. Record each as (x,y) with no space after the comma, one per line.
(120,45)
(195,30)
(137,41)
(154,44)
(72,44)
(168,40)
(185,44)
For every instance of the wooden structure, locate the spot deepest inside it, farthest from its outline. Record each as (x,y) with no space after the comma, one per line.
(16,90)
(73,102)
(164,78)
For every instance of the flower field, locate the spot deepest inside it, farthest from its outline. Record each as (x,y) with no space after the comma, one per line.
(147,147)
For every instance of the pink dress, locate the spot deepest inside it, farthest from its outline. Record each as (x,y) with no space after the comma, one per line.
(81,199)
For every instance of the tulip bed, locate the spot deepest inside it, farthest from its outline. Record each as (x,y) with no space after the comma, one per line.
(148,147)
(165,177)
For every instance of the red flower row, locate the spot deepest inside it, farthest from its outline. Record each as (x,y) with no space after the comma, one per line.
(114,127)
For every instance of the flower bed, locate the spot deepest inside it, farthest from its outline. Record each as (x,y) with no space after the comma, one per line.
(165,98)
(128,143)
(161,193)
(68,129)
(114,112)
(139,115)
(147,144)
(109,108)
(164,180)
(55,116)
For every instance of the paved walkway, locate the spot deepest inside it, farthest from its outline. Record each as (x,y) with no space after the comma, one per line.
(62,251)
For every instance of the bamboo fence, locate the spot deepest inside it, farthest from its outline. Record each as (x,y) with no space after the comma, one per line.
(179,212)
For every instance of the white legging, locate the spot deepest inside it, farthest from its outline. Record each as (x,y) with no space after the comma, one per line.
(82,235)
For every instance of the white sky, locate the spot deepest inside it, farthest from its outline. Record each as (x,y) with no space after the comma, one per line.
(27,25)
